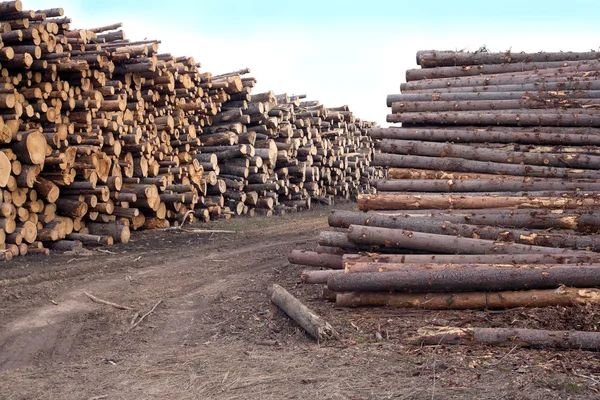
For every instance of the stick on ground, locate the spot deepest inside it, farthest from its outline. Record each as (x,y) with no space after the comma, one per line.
(105,302)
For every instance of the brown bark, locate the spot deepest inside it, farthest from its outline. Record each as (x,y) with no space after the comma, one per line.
(441,202)
(468,279)
(535,338)
(403,239)
(561,297)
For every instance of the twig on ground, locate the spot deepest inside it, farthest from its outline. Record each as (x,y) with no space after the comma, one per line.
(145,315)
(105,302)
(104,396)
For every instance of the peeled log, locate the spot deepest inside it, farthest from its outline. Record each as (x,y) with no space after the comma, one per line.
(308,320)
(315,259)
(468,280)
(435,336)
(561,297)
(443,202)
(402,239)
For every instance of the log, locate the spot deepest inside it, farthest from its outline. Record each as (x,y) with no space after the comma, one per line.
(535,338)
(315,259)
(486,167)
(461,258)
(426,224)
(302,315)
(561,297)
(403,239)
(444,202)
(318,276)
(433,149)
(468,280)
(494,184)
(433,58)
(120,233)
(487,136)
(567,118)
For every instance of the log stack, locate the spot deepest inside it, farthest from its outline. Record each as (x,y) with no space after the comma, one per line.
(491,194)
(101,135)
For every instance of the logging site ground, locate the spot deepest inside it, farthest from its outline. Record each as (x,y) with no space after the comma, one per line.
(214,334)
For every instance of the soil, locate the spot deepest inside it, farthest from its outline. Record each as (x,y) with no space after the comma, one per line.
(214,334)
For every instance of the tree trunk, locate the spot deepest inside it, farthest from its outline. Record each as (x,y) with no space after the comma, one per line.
(543,339)
(561,297)
(302,315)
(468,280)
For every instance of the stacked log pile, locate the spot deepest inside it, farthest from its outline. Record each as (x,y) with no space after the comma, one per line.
(100,135)
(491,196)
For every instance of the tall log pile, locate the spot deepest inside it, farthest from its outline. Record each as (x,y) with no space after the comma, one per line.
(491,195)
(100,135)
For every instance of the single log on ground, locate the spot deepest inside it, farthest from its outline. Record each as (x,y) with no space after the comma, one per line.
(315,259)
(576,340)
(561,297)
(302,315)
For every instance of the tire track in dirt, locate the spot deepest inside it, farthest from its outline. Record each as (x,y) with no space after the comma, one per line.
(188,278)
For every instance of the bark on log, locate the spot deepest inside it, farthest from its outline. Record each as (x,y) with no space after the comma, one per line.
(402,239)
(486,167)
(302,315)
(487,136)
(495,184)
(434,58)
(315,259)
(561,297)
(563,340)
(508,258)
(467,280)
(446,202)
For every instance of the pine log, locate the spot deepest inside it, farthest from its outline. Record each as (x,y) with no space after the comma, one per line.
(402,239)
(535,338)
(486,167)
(315,259)
(561,297)
(445,202)
(308,320)
(468,279)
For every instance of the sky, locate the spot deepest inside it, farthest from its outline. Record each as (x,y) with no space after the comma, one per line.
(338,52)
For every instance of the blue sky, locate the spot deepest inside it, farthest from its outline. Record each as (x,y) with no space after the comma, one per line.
(339,52)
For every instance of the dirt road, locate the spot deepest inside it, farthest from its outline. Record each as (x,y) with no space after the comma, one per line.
(214,334)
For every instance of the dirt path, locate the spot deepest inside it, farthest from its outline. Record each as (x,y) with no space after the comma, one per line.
(215,334)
